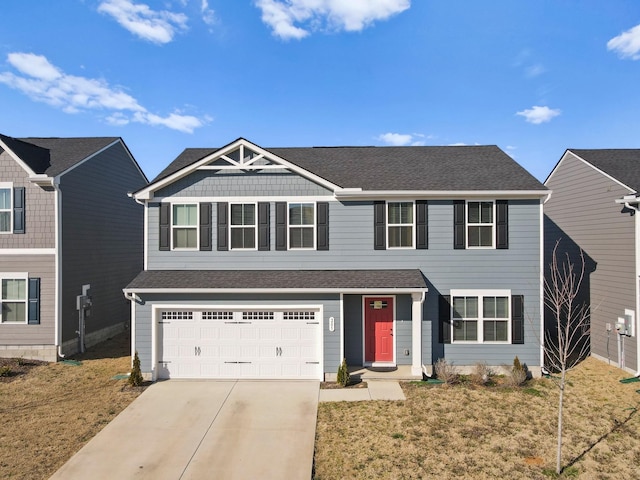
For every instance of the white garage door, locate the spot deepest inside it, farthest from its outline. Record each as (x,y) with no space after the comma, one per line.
(251,344)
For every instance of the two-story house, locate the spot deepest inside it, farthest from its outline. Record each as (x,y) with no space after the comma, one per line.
(280,262)
(67,228)
(594,208)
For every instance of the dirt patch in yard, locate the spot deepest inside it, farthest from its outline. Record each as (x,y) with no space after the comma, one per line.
(49,411)
(466,431)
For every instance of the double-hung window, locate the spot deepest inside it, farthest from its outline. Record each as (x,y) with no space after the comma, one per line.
(5,208)
(480,224)
(400,221)
(481,316)
(184,226)
(13,299)
(242,227)
(302,225)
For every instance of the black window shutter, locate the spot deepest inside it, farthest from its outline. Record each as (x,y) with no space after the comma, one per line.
(205,227)
(33,316)
(379,226)
(281,225)
(18,210)
(502,224)
(223,226)
(322,225)
(444,315)
(459,224)
(264,232)
(517,319)
(165,227)
(422,224)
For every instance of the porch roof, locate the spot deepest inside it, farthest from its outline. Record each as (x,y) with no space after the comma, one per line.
(338,281)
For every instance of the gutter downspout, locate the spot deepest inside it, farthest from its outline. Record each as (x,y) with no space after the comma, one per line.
(58,263)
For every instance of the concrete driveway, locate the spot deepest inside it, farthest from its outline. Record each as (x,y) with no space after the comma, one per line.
(206,430)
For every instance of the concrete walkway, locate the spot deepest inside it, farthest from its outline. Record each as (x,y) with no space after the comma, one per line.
(376,390)
(179,430)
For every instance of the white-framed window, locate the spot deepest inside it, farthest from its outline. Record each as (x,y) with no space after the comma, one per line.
(243,230)
(13,298)
(184,226)
(302,226)
(400,224)
(481,316)
(6,207)
(481,224)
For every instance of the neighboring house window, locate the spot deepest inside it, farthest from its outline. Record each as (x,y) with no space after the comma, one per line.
(480,224)
(13,300)
(302,225)
(5,208)
(243,226)
(480,317)
(400,220)
(184,226)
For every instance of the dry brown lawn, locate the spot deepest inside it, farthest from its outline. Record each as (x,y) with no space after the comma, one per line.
(471,432)
(48,412)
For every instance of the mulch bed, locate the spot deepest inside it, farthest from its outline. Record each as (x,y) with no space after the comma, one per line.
(12,368)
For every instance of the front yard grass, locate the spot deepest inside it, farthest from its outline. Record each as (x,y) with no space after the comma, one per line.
(49,411)
(474,432)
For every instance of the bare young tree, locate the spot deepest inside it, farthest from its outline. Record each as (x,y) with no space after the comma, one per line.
(566,338)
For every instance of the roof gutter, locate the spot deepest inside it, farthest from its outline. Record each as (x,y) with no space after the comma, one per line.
(42,180)
(352,194)
(130,293)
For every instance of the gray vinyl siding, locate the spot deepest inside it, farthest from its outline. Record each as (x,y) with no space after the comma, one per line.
(205,184)
(102,238)
(351,247)
(39,209)
(329,302)
(36,266)
(583,213)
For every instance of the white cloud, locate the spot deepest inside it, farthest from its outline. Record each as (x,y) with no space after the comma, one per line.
(309,15)
(208,15)
(154,26)
(401,139)
(535,70)
(627,44)
(43,82)
(537,114)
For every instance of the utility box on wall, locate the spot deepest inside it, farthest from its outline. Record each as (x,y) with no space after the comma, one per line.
(626,324)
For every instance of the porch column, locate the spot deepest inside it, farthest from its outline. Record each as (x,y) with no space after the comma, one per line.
(416,333)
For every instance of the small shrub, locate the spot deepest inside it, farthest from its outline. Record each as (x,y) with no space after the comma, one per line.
(343,374)
(135,379)
(518,374)
(481,374)
(446,372)
(5,371)
(21,362)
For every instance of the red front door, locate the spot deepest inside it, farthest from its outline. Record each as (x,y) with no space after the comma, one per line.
(378,329)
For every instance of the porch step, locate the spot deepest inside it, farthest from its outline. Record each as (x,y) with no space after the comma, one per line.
(401,372)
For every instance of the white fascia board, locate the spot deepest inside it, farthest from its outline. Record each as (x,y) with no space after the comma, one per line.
(18,160)
(439,194)
(601,172)
(147,192)
(41,180)
(367,291)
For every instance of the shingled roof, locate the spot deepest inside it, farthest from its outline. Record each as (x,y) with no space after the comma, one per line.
(398,168)
(52,156)
(621,164)
(279,279)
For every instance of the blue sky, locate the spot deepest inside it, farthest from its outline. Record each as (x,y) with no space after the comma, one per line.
(534,78)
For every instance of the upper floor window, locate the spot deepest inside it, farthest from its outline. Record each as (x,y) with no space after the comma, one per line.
(400,220)
(302,225)
(243,226)
(5,208)
(184,226)
(13,300)
(480,224)
(480,316)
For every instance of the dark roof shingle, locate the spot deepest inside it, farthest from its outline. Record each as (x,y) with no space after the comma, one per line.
(622,164)
(279,279)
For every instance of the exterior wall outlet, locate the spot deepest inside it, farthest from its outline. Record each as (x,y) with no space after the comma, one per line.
(406,352)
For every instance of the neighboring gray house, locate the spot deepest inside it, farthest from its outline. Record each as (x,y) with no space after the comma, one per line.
(594,208)
(280,262)
(65,222)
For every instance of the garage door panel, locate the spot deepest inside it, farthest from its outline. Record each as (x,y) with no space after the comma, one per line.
(210,344)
